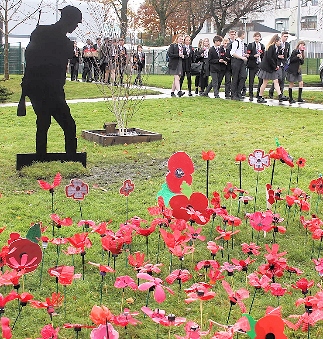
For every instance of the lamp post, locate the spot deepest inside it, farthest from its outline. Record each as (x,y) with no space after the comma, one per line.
(244,21)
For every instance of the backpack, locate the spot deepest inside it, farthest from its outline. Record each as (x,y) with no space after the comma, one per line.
(229,47)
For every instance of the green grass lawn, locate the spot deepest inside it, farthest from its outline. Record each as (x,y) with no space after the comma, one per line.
(187,124)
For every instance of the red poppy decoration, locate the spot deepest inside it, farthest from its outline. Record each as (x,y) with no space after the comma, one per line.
(208,155)
(301,162)
(182,206)
(180,168)
(284,156)
(50,187)
(24,255)
(270,326)
(240,157)
(77,189)
(259,160)
(127,187)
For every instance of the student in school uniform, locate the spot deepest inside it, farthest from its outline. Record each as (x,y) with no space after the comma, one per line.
(269,68)
(238,65)
(187,61)
(225,72)
(176,55)
(255,51)
(216,64)
(294,72)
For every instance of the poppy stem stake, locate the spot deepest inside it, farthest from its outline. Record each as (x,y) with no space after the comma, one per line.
(253,299)
(207,178)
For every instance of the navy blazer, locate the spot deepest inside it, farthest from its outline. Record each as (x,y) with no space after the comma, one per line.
(295,63)
(173,53)
(215,65)
(270,61)
(251,51)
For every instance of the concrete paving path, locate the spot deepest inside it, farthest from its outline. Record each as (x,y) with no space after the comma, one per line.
(165,93)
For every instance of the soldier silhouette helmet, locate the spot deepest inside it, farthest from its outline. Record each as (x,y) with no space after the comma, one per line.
(71,13)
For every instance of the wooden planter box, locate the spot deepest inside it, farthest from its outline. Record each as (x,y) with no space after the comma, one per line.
(109,136)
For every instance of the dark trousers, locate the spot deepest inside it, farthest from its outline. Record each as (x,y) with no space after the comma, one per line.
(74,70)
(252,75)
(87,70)
(226,74)
(214,83)
(46,104)
(204,81)
(189,80)
(239,76)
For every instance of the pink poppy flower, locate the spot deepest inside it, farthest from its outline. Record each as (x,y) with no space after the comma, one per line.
(80,240)
(213,247)
(104,269)
(319,265)
(225,235)
(156,283)
(277,290)
(304,285)
(126,318)
(230,268)
(237,296)
(72,250)
(5,326)
(258,283)
(180,168)
(260,221)
(49,332)
(125,281)
(180,275)
(155,315)
(193,331)
(160,209)
(77,189)
(61,222)
(4,300)
(171,320)
(230,191)
(199,291)
(206,264)
(214,276)
(243,263)
(100,315)
(216,200)
(86,223)
(104,331)
(150,268)
(181,250)
(251,248)
(65,274)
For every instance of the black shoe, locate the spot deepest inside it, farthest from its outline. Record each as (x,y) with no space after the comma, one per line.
(196,90)
(261,100)
(228,97)
(180,93)
(284,98)
(243,93)
(300,100)
(217,96)
(190,94)
(271,95)
(204,94)
(250,98)
(291,101)
(236,98)
(281,98)
(172,95)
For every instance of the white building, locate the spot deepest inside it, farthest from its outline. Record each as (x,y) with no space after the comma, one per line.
(302,19)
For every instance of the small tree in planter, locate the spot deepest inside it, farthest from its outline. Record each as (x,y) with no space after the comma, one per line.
(5,93)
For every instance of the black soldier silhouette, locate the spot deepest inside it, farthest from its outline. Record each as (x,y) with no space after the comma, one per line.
(47,56)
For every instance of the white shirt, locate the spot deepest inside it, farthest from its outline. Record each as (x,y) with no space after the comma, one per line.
(239,50)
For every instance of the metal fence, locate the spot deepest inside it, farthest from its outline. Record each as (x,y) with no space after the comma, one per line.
(16,65)
(155,60)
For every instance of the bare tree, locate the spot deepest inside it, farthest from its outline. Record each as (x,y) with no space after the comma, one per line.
(121,9)
(12,14)
(228,13)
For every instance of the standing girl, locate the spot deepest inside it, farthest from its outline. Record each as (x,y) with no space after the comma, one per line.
(268,68)
(294,73)
(176,55)
(139,64)
(187,61)
(198,58)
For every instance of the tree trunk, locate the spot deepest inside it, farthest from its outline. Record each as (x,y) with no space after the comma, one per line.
(124,19)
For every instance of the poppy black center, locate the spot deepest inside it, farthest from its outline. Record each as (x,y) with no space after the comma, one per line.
(270,336)
(179,173)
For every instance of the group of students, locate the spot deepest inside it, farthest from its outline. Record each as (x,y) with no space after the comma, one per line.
(231,59)
(106,61)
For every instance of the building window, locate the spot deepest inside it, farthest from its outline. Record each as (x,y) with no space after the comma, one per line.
(314,2)
(286,4)
(309,22)
(282,24)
